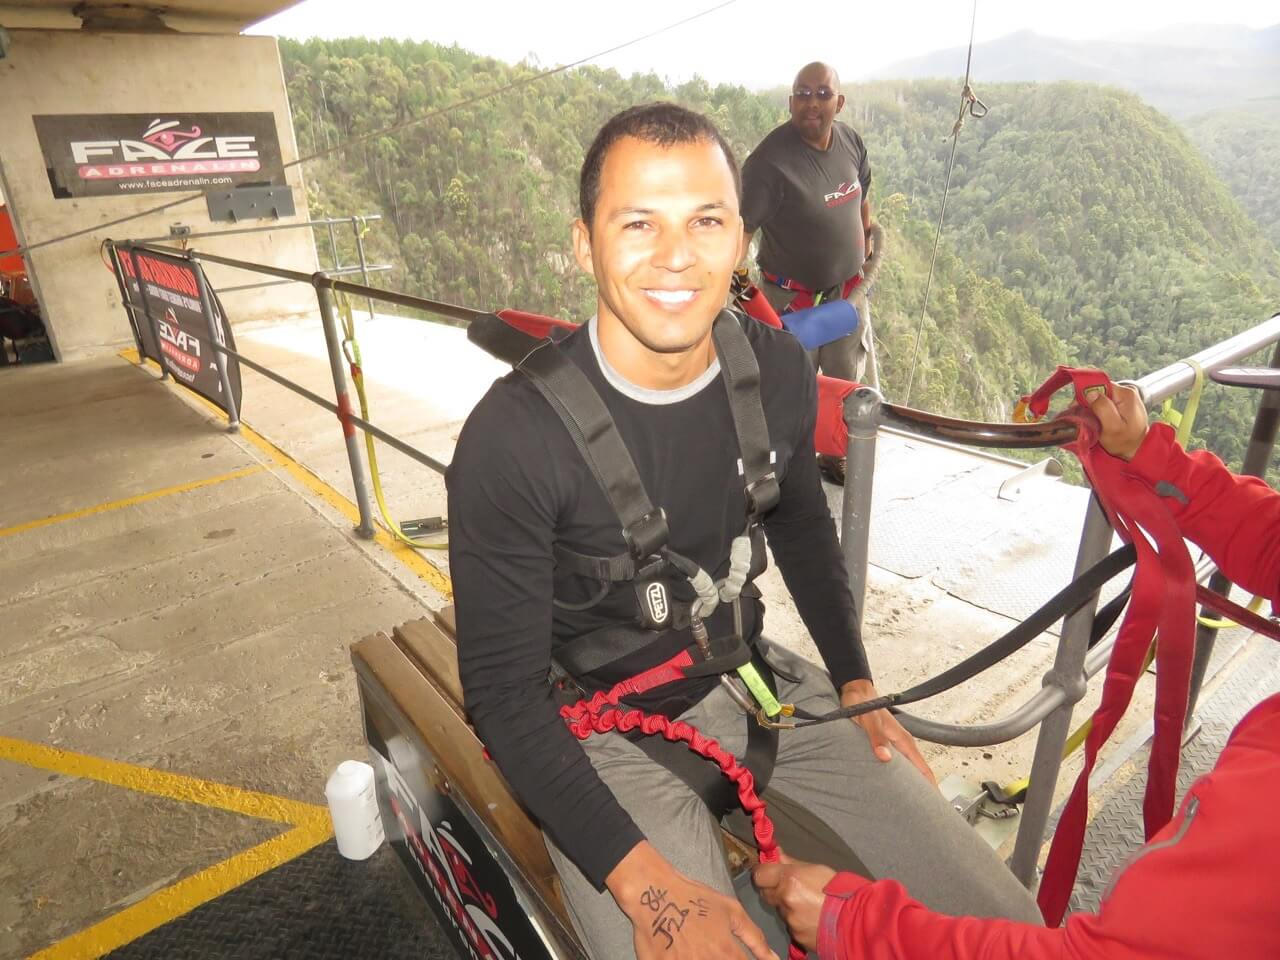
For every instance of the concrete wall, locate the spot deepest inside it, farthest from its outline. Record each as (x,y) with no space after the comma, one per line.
(65,71)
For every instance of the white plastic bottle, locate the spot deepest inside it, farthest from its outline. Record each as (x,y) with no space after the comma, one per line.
(353,807)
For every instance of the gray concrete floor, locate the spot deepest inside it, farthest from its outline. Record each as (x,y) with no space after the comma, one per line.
(202,632)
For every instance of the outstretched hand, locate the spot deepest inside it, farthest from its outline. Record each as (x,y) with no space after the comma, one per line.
(1124,421)
(795,888)
(883,729)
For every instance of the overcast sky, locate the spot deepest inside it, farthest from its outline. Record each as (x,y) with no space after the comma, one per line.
(753,42)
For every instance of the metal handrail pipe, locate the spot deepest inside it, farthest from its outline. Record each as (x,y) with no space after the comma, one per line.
(974,433)
(451,310)
(1024,718)
(1156,387)
(389,439)
(371,268)
(169,237)
(1176,377)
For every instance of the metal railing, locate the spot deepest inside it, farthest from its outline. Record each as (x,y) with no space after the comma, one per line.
(326,285)
(865,412)
(358,224)
(1074,663)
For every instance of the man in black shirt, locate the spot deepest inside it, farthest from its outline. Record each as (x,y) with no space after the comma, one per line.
(806,190)
(661,233)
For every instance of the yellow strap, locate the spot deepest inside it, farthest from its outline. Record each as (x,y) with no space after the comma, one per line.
(351,350)
(1184,421)
(760,690)
(1223,624)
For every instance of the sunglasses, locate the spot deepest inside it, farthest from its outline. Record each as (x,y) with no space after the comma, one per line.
(804,93)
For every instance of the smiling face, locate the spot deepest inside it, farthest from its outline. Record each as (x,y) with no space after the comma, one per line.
(814,102)
(662,246)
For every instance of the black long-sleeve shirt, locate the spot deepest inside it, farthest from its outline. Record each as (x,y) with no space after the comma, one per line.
(517,486)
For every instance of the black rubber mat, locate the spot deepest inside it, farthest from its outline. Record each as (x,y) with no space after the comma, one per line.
(316,906)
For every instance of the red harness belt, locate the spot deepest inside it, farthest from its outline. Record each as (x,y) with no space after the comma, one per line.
(1163,605)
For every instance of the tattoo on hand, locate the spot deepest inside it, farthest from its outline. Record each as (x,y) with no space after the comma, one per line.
(653,898)
(700,906)
(668,923)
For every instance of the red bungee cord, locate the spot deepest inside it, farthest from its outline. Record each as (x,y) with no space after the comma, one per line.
(601,714)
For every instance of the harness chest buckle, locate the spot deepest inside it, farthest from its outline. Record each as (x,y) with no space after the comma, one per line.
(648,535)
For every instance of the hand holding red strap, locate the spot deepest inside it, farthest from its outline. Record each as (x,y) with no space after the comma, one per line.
(1163,599)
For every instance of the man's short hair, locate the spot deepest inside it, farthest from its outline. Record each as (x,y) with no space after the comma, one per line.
(664,124)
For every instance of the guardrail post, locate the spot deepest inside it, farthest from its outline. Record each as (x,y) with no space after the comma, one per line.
(1257,456)
(1068,674)
(329,317)
(206,304)
(862,419)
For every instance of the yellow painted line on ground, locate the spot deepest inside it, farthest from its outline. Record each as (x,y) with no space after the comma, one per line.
(162,783)
(187,894)
(128,501)
(411,558)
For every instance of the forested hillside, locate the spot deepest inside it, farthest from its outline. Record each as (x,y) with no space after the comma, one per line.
(1243,146)
(1081,225)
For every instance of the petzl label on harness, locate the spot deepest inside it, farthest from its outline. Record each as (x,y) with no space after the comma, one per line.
(654,602)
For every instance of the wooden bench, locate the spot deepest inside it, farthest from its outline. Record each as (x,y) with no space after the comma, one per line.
(416,666)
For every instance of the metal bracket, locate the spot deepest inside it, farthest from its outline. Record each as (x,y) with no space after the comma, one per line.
(1012,488)
(250,203)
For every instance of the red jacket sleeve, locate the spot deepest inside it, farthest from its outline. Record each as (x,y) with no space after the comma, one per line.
(1204,888)
(1235,519)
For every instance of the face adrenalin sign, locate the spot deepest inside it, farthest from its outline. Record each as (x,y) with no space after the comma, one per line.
(100,155)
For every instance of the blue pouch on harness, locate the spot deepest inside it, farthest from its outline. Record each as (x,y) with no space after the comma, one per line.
(816,326)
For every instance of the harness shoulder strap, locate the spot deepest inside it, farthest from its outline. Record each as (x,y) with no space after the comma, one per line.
(742,382)
(585,416)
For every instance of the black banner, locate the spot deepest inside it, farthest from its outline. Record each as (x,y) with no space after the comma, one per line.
(165,299)
(117,154)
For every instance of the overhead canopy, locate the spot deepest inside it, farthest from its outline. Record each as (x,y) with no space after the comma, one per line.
(194,16)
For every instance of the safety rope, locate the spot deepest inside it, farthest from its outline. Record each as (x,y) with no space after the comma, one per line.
(351,350)
(971,105)
(393,128)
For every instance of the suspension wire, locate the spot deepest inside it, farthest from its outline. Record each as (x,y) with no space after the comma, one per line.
(971,105)
(393,128)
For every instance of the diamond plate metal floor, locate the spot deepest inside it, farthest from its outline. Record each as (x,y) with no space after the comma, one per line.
(1116,832)
(317,906)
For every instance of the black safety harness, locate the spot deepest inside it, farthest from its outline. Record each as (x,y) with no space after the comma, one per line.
(648,563)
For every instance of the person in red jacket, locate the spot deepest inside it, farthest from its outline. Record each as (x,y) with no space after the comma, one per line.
(1206,886)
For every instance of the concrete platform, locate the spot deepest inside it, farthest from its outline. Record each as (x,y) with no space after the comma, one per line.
(171,602)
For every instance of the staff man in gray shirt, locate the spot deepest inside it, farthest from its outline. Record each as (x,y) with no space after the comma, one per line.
(805,189)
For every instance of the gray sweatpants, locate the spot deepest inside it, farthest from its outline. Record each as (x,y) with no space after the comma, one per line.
(887,813)
(849,358)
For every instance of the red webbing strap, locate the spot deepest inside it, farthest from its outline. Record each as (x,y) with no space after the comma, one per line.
(602,714)
(1163,603)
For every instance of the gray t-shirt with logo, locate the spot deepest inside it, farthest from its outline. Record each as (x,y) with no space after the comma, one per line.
(807,205)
